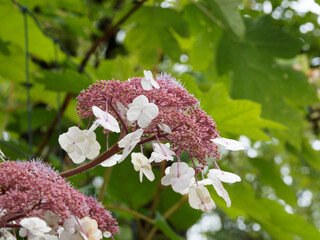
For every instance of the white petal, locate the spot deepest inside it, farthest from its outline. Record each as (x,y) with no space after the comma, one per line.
(76,157)
(149,174)
(143,122)
(165,128)
(131,139)
(228,144)
(148,74)
(151,111)
(111,124)
(133,114)
(111,161)
(180,184)
(139,102)
(205,182)
(199,198)
(141,175)
(224,176)
(126,151)
(99,113)
(146,84)
(166,180)
(64,140)
(154,84)
(156,157)
(221,191)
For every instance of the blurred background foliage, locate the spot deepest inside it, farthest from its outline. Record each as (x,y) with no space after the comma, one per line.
(253,64)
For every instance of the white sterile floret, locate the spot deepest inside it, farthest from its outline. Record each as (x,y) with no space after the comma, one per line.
(148,82)
(52,221)
(164,127)
(90,228)
(162,152)
(142,111)
(33,226)
(129,142)
(111,161)
(105,120)
(94,146)
(75,143)
(223,176)
(80,229)
(142,164)
(228,144)
(178,179)
(199,198)
(216,176)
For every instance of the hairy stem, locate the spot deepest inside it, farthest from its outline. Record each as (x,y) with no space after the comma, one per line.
(107,154)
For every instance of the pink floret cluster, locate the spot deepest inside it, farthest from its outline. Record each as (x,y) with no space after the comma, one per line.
(191,127)
(29,189)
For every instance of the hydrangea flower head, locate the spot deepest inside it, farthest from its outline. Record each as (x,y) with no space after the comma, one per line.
(30,189)
(179,121)
(161,109)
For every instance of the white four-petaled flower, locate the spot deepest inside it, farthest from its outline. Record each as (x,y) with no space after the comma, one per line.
(129,142)
(147,82)
(142,111)
(75,143)
(35,226)
(142,164)
(79,144)
(106,120)
(180,178)
(228,144)
(216,176)
(162,152)
(199,198)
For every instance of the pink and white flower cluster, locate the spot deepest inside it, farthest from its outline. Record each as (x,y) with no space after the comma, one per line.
(35,197)
(157,110)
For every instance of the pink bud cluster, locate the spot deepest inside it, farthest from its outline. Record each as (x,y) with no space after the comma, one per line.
(191,127)
(29,189)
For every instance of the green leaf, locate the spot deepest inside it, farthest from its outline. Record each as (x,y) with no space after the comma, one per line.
(125,186)
(13,31)
(12,65)
(271,39)
(161,223)
(67,81)
(235,117)
(270,175)
(120,68)
(271,215)
(257,77)
(151,34)
(204,35)
(228,12)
